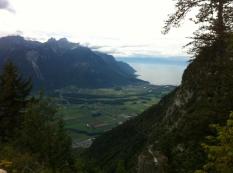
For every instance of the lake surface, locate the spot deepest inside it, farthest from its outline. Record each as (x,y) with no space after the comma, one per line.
(158,71)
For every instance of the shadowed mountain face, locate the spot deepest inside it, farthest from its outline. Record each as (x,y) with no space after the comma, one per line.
(58,63)
(167,137)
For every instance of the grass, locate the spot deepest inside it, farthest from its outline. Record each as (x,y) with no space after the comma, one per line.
(90,112)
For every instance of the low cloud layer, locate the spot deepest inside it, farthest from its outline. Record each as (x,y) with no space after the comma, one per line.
(128,33)
(5,5)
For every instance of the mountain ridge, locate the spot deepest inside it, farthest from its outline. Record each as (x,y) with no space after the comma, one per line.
(58,63)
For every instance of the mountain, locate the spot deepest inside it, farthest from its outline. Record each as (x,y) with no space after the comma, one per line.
(167,137)
(58,63)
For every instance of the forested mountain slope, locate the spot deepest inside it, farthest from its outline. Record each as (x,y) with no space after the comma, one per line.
(168,136)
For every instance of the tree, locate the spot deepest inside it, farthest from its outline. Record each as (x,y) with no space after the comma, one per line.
(44,136)
(219,149)
(121,167)
(14,92)
(214,17)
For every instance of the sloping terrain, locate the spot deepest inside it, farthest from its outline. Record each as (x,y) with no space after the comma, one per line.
(168,136)
(59,63)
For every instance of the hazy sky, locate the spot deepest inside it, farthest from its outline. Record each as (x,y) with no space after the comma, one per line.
(119,27)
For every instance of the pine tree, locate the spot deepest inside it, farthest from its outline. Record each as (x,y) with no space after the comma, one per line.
(219,149)
(214,18)
(44,136)
(14,92)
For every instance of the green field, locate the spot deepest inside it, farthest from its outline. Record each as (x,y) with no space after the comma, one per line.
(91,112)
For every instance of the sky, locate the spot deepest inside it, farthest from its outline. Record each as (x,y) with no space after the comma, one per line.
(119,27)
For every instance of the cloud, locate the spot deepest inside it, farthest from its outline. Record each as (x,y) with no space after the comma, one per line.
(96,47)
(134,46)
(112,51)
(19,32)
(125,50)
(5,5)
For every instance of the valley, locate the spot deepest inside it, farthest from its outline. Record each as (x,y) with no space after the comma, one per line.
(89,113)
(115,87)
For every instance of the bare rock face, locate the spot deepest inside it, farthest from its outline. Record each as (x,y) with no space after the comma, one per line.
(150,161)
(146,163)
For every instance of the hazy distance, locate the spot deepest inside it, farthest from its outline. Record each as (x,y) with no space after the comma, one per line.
(159,71)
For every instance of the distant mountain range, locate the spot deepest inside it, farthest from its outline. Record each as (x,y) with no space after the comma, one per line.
(59,63)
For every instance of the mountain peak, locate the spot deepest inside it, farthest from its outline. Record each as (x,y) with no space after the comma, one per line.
(13,39)
(59,63)
(51,40)
(62,43)
(63,40)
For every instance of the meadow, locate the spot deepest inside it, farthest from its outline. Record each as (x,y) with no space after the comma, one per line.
(91,112)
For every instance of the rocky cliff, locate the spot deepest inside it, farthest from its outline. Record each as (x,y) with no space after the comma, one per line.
(168,136)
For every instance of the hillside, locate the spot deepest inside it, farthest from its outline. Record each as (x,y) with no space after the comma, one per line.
(59,63)
(168,136)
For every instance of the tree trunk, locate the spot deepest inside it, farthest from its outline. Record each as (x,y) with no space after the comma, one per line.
(220,20)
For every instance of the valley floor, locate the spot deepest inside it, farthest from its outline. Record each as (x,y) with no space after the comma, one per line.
(91,112)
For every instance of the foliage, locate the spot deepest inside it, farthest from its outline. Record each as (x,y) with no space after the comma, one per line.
(13,99)
(19,161)
(42,143)
(33,138)
(48,142)
(219,149)
(121,167)
(214,18)
(86,166)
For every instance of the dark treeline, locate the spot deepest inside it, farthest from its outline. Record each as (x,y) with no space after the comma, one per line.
(32,136)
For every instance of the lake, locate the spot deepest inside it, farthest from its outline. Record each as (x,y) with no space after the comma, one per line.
(158,71)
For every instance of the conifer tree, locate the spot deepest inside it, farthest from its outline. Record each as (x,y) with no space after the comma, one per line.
(214,18)
(219,150)
(44,136)
(14,92)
